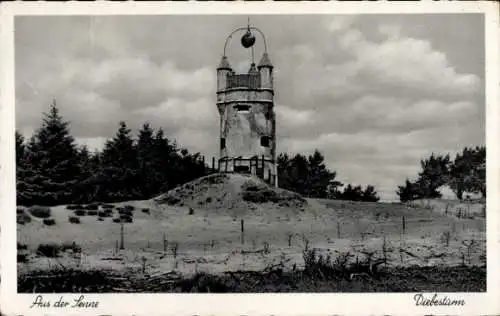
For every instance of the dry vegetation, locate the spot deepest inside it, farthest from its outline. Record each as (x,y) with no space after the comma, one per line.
(190,239)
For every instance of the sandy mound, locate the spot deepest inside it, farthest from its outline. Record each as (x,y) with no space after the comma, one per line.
(230,191)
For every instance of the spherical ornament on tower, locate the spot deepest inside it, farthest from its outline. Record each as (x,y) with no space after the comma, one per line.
(248,39)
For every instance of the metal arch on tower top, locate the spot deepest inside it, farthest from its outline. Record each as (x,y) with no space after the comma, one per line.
(248,29)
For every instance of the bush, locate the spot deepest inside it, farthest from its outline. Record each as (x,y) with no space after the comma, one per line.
(107,206)
(209,199)
(191,211)
(71,246)
(93,207)
(171,200)
(20,210)
(74,220)
(22,257)
(126,218)
(80,212)
(21,246)
(74,207)
(145,210)
(49,221)
(40,211)
(100,219)
(92,212)
(23,219)
(129,208)
(104,214)
(50,250)
(125,212)
(117,220)
(205,283)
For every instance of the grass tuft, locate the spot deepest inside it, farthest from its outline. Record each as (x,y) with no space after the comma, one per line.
(40,211)
(74,219)
(80,212)
(49,221)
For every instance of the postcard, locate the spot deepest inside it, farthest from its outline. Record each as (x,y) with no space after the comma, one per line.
(258,158)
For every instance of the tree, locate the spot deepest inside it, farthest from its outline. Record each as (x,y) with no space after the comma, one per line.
(307,175)
(370,195)
(435,173)
(119,177)
(409,192)
(20,148)
(50,163)
(86,189)
(319,176)
(148,162)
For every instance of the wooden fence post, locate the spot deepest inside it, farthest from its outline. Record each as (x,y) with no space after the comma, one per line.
(242,231)
(122,246)
(164,243)
(213,164)
(338,230)
(404,224)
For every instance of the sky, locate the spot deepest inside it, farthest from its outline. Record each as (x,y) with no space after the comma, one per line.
(373,93)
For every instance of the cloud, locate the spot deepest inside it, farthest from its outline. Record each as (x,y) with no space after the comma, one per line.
(373,93)
(408,63)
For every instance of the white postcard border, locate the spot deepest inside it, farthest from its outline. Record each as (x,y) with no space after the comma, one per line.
(245,304)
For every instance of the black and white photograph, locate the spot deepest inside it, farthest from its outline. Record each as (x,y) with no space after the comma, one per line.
(251,153)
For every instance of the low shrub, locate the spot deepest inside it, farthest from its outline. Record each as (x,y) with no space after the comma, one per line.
(74,207)
(191,211)
(23,219)
(125,212)
(126,218)
(171,200)
(100,219)
(20,210)
(92,212)
(117,220)
(104,214)
(50,250)
(40,211)
(74,219)
(21,246)
(49,221)
(209,199)
(22,257)
(129,207)
(93,207)
(80,212)
(205,283)
(73,246)
(107,206)
(145,210)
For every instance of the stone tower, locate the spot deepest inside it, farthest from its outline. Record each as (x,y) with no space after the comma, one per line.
(247,119)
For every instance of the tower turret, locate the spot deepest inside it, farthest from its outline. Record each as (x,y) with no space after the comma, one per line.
(223,71)
(266,72)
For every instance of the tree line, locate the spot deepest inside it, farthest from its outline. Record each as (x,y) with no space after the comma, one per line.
(52,169)
(465,174)
(309,176)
